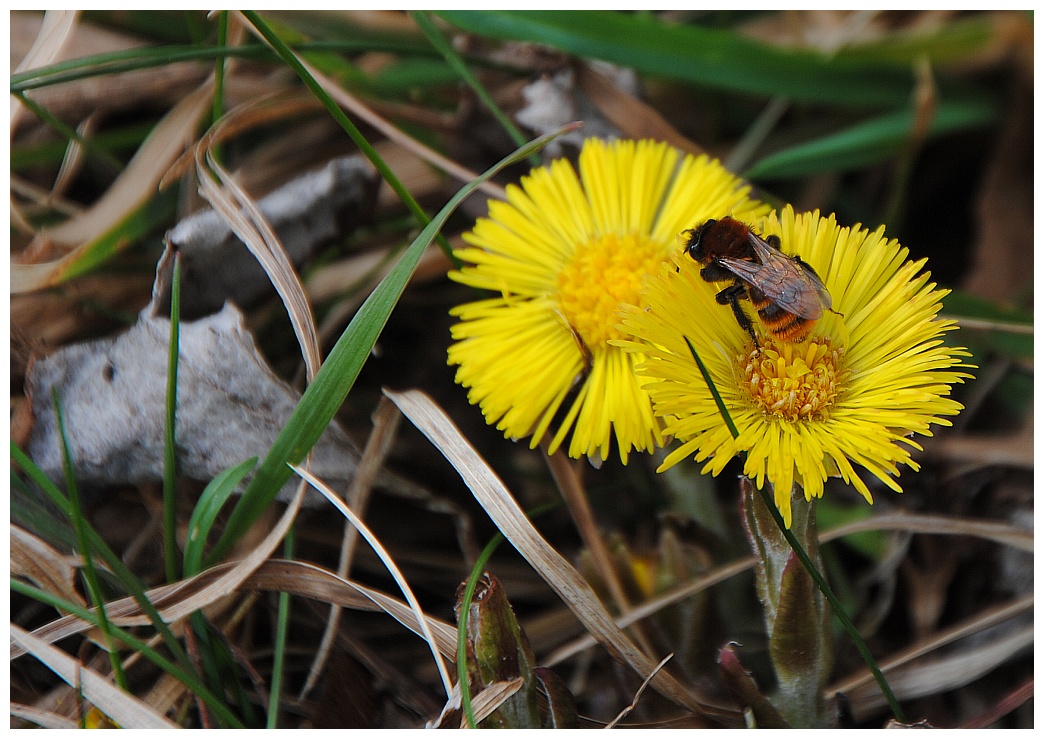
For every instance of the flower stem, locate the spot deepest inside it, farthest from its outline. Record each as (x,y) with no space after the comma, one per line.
(817,578)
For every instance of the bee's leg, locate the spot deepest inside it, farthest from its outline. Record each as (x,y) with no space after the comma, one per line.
(714,272)
(731,296)
(773,241)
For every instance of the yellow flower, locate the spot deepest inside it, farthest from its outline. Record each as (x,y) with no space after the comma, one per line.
(563,253)
(869,376)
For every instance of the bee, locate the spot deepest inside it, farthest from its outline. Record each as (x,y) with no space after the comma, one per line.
(786,292)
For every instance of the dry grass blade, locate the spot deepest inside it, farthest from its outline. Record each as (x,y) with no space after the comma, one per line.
(187,595)
(943,674)
(43,719)
(386,558)
(56,30)
(37,561)
(377,447)
(997,531)
(135,185)
(491,698)
(549,564)
(248,223)
(986,449)
(980,623)
(309,581)
(275,575)
(638,694)
(123,708)
(280,104)
(568,482)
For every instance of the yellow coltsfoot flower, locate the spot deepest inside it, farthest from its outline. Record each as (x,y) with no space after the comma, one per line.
(563,254)
(873,372)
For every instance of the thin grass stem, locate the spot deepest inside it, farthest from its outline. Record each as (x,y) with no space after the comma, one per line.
(171,558)
(82,543)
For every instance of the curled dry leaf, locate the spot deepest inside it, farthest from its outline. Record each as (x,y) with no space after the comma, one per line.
(231,406)
(307,214)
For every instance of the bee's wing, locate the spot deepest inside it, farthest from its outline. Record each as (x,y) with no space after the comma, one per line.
(788,282)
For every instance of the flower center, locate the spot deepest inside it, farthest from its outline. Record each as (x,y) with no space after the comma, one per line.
(604,273)
(797,382)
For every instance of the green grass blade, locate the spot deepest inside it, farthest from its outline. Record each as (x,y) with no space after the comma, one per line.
(869,142)
(70,134)
(170,455)
(718,58)
(279,652)
(954,41)
(134,59)
(420,17)
(713,390)
(153,214)
(462,627)
(206,511)
(83,544)
(335,378)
